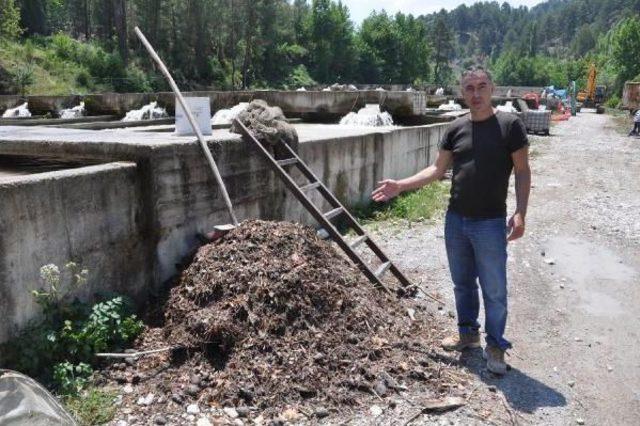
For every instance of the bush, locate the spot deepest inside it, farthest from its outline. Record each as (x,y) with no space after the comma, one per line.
(60,349)
(300,77)
(613,101)
(135,80)
(23,77)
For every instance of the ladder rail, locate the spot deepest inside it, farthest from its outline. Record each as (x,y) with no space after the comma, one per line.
(315,212)
(322,218)
(353,222)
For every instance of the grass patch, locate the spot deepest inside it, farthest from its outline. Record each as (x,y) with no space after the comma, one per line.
(415,206)
(93,406)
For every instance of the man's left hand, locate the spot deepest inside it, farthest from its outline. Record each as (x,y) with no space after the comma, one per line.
(516,226)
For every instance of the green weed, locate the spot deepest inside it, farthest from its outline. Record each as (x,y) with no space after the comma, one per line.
(415,206)
(59,349)
(92,407)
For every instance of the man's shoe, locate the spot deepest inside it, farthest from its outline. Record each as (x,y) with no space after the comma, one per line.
(461,342)
(495,360)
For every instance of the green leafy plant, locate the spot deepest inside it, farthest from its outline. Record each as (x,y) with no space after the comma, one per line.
(59,349)
(71,378)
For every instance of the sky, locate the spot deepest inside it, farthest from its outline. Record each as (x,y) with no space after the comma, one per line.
(360,9)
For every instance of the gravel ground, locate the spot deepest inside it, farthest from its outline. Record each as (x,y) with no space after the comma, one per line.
(574,282)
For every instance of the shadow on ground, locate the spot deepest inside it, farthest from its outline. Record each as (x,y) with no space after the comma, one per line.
(523,393)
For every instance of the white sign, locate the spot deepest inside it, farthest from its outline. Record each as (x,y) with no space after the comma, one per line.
(201,111)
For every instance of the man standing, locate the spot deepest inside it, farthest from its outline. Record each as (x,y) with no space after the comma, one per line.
(483,147)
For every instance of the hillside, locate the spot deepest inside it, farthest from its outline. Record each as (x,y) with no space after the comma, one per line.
(73,46)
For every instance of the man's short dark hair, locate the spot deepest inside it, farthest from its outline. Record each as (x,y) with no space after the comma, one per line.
(475,70)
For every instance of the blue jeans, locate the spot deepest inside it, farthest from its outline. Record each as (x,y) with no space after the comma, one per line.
(477,251)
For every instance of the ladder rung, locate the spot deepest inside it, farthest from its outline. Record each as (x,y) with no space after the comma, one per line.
(382,269)
(310,186)
(358,241)
(333,213)
(287,161)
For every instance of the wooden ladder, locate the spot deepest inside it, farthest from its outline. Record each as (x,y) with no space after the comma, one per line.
(324,219)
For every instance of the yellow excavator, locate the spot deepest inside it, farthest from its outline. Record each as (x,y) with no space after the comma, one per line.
(594,95)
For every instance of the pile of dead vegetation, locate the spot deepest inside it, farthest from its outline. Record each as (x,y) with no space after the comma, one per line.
(271,315)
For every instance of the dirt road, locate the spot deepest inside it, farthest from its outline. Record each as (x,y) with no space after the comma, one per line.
(574,284)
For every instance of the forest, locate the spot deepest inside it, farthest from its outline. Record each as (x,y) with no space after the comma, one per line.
(65,46)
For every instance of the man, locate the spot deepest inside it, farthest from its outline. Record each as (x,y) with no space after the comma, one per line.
(636,124)
(483,148)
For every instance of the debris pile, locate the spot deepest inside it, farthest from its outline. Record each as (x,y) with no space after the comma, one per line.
(271,316)
(268,124)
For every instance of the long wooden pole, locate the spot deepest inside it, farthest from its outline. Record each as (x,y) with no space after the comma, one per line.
(192,121)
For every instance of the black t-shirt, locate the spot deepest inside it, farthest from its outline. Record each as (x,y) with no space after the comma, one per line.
(482,162)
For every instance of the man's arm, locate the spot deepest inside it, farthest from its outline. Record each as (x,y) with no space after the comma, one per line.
(389,188)
(523,186)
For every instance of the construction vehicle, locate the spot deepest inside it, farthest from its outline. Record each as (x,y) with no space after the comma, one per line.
(594,96)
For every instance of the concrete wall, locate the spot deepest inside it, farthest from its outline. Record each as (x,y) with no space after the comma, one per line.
(92,215)
(10,101)
(131,223)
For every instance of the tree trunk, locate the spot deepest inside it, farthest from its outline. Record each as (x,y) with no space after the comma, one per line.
(87,22)
(120,21)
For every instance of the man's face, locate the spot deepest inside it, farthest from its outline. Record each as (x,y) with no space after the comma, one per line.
(477,90)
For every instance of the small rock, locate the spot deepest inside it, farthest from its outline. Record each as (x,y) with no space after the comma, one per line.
(352,339)
(321,412)
(195,380)
(128,389)
(393,403)
(376,411)
(609,368)
(177,398)
(492,388)
(160,420)
(146,400)
(550,261)
(380,388)
(246,394)
(451,314)
(580,421)
(192,390)
(122,423)
(203,421)
(238,422)
(578,339)
(411,313)
(290,415)
(231,412)
(571,383)
(193,409)
(259,420)
(561,285)
(130,361)
(243,411)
